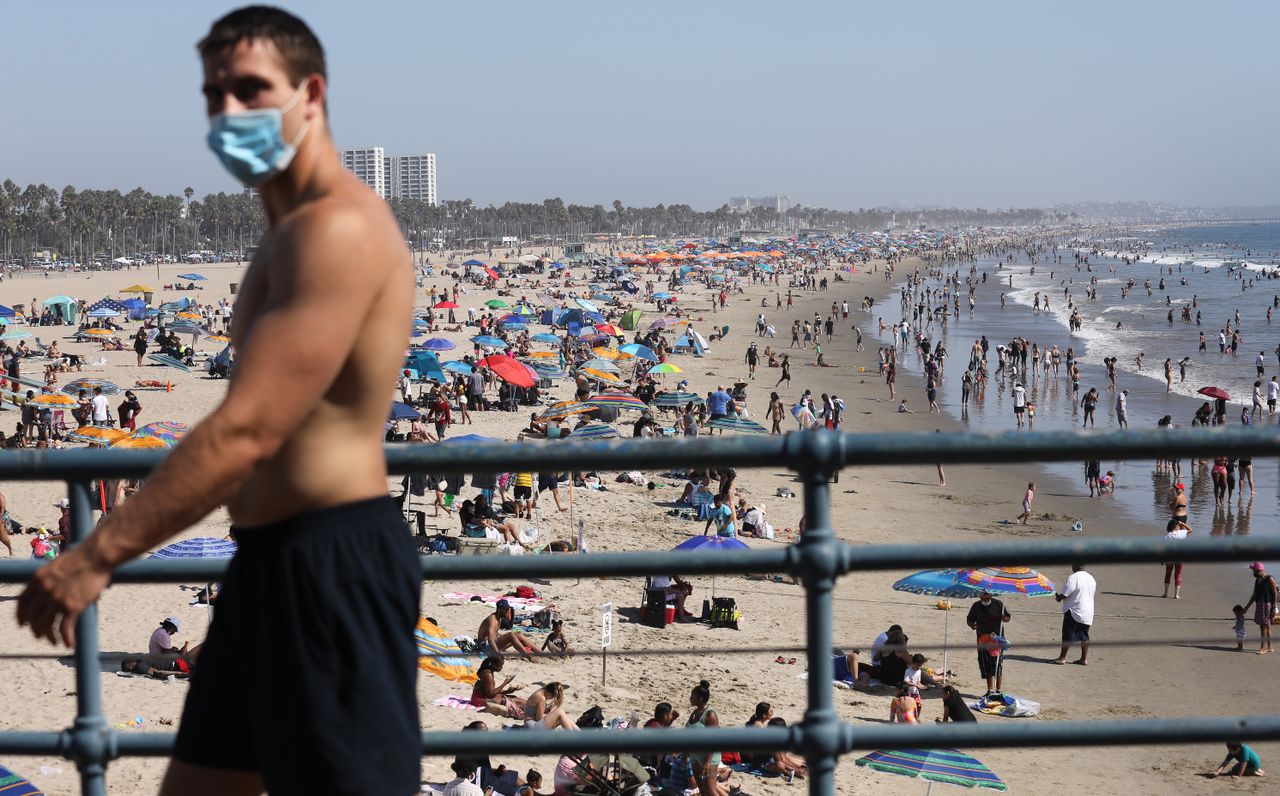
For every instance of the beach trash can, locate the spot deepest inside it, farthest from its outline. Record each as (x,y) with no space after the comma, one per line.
(234,287)
(147,297)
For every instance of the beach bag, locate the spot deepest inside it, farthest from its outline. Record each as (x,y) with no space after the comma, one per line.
(527,593)
(725,613)
(593,718)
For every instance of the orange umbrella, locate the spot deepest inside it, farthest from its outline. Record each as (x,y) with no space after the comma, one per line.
(55,400)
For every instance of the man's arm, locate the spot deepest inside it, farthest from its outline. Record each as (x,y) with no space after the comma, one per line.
(311,314)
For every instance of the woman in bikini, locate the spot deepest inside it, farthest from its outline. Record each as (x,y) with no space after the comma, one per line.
(492,697)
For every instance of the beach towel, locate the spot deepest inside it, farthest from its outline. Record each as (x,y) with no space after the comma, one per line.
(1011,707)
(492,599)
(456,702)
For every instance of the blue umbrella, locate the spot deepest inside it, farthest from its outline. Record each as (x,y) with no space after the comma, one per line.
(707,544)
(545,337)
(457,366)
(439,344)
(206,547)
(938,583)
(103,312)
(191,277)
(473,262)
(402,411)
(639,351)
(488,341)
(7,312)
(663,296)
(12,784)
(466,439)
(586,305)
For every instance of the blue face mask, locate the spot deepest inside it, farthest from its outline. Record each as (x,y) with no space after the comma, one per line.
(251,143)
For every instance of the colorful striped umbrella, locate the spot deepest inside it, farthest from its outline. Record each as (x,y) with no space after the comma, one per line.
(162,434)
(97,435)
(12,784)
(938,765)
(622,400)
(206,547)
(600,375)
(564,409)
(664,367)
(55,400)
(610,329)
(1008,580)
(132,442)
(594,431)
(678,399)
(438,654)
(737,424)
(600,364)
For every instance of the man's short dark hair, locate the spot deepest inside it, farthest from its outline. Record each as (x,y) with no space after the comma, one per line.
(298,46)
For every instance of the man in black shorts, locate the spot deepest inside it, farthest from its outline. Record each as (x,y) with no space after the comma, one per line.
(306,682)
(987,617)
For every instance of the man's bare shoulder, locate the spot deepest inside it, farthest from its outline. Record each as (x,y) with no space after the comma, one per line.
(341,229)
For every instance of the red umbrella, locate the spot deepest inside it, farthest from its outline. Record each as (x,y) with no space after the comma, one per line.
(1214,392)
(509,370)
(446,305)
(492,273)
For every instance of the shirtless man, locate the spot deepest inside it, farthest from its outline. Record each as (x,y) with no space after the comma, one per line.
(326,581)
(492,642)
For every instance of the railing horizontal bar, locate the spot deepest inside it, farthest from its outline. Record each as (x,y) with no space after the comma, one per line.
(1113,732)
(793,451)
(853,558)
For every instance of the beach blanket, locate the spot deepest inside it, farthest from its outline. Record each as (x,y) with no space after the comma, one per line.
(456,702)
(1011,707)
(492,599)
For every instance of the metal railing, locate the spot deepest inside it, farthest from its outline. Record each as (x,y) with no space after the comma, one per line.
(816,561)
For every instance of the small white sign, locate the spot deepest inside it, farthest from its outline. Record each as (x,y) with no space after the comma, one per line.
(606,624)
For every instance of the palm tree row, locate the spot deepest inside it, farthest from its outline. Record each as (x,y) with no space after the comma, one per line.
(84,225)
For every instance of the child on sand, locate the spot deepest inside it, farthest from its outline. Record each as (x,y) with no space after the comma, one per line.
(1240,626)
(1027,499)
(1249,765)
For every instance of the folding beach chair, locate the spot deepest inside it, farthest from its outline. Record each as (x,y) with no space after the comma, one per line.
(702,502)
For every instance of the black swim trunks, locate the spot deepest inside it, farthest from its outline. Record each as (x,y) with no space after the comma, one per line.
(308,673)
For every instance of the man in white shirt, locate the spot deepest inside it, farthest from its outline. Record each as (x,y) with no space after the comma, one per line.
(1077,613)
(406,387)
(1122,409)
(101,408)
(1019,402)
(1273,392)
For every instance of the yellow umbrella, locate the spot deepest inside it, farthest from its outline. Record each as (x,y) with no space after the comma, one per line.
(542,355)
(98,435)
(132,441)
(138,289)
(98,332)
(56,400)
(218,338)
(190,316)
(602,376)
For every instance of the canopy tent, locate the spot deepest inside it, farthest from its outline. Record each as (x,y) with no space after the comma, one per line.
(427,364)
(631,320)
(65,306)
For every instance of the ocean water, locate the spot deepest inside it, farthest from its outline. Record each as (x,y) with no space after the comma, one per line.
(1221,269)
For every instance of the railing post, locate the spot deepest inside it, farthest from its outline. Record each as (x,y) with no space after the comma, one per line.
(89,735)
(820,739)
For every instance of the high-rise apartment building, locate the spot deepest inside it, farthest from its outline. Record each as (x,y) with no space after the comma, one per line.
(412,177)
(369,165)
(394,176)
(743,204)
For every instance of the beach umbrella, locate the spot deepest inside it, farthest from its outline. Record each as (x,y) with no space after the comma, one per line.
(935,765)
(496,304)
(489,341)
(664,367)
(594,431)
(662,296)
(446,305)
(564,409)
(678,399)
(546,337)
(7,312)
(639,351)
(546,370)
(542,355)
(609,353)
(600,364)
(1007,580)
(133,441)
(188,315)
(473,262)
(438,344)
(600,375)
(97,435)
(586,305)
(191,277)
(76,385)
(1212,392)
(457,366)
(12,784)
(622,400)
(440,655)
(510,370)
(939,583)
(14,335)
(610,329)
(54,400)
(165,359)
(709,544)
(402,411)
(138,289)
(93,333)
(737,424)
(200,547)
(103,312)
(218,338)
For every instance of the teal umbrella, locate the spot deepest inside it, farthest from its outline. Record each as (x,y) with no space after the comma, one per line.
(935,765)
(939,583)
(737,424)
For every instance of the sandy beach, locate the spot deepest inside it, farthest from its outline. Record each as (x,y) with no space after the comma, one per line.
(1200,673)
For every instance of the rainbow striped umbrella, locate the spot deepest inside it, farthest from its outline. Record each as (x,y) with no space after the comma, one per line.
(622,400)
(564,409)
(1007,580)
(938,765)
(76,385)
(663,367)
(678,399)
(162,434)
(438,654)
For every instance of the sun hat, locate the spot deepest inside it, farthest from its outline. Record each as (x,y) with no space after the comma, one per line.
(173,620)
(1256,566)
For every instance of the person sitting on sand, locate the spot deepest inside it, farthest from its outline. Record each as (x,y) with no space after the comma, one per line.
(544,709)
(556,642)
(489,639)
(1249,765)
(165,665)
(954,708)
(677,592)
(493,697)
(903,708)
(536,426)
(481,521)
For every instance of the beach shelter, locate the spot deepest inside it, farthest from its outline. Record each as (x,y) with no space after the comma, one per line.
(426,363)
(12,784)
(65,306)
(137,309)
(935,765)
(691,343)
(440,655)
(631,320)
(594,431)
(7,312)
(192,277)
(138,289)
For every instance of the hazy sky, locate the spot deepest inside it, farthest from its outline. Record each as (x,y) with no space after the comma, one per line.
(840,104)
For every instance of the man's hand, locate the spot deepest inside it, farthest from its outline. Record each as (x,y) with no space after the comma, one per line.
(61,590)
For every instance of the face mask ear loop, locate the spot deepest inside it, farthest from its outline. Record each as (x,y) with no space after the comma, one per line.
(288,106)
